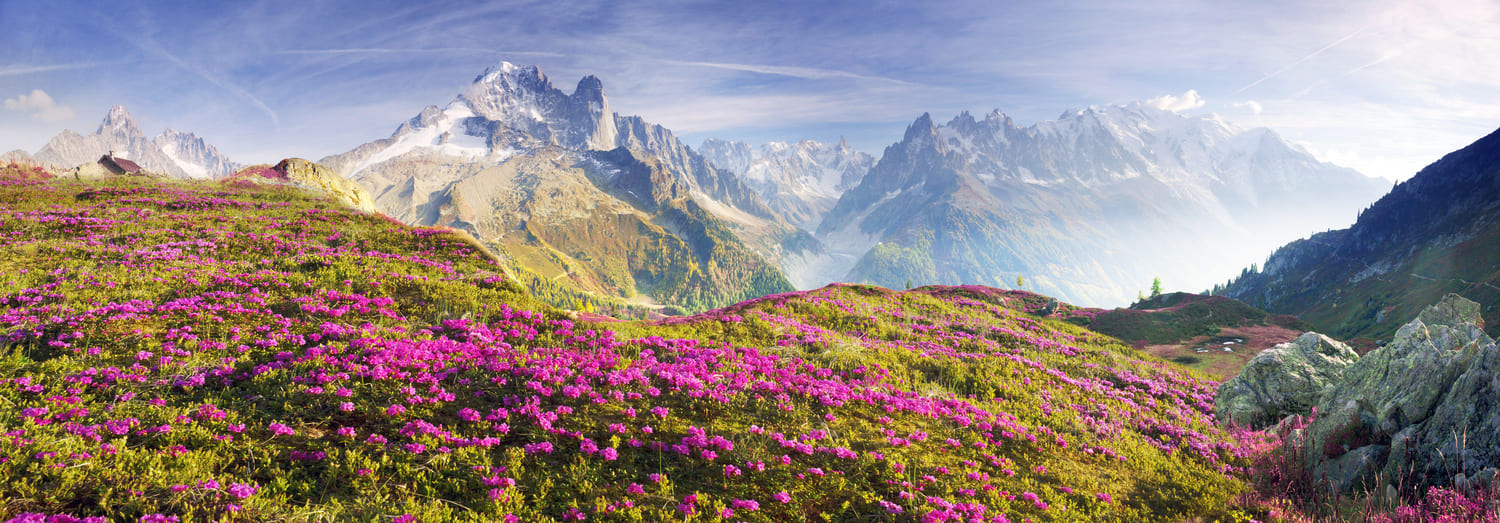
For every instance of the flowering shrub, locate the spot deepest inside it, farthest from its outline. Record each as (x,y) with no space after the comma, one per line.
(209,352)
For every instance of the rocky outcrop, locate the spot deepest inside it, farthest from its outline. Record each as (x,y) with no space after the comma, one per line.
(1284,380)
(1419,411)
(307,175)
(313,176)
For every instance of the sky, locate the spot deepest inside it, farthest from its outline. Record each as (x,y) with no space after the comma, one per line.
(1385,87)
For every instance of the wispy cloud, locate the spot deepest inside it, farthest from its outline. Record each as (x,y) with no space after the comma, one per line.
(150,46)
(808,73)
(17,70)
(1252,105)
(41,106)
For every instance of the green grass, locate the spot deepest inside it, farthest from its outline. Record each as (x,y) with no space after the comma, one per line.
(164,342)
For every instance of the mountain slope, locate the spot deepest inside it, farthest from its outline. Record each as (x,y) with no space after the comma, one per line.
(1435,233)
(180,155)
(248,353)
(1089,207)
(614,206)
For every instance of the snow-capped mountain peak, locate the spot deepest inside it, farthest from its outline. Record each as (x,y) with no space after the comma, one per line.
(508,92)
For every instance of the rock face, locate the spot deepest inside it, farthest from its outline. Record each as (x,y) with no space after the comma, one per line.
(1420,410)
(1287,379)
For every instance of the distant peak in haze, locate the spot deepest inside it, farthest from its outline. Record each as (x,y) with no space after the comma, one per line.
(118,120)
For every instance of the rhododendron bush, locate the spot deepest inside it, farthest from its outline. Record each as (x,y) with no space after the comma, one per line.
(193,352)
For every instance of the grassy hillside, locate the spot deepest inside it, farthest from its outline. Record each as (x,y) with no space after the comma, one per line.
(1435,233)
(210,352)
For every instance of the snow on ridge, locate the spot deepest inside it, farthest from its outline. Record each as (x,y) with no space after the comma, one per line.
(430,138)
(192,169)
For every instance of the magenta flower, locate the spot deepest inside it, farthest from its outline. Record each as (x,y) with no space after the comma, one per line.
(241,490)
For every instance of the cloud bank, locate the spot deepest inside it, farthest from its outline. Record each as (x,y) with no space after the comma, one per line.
(41,106)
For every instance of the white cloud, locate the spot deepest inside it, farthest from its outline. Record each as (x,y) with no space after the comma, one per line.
(41,106)
(1177,104)
(1252,105)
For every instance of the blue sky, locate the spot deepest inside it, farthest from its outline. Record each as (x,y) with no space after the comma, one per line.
(1382,86)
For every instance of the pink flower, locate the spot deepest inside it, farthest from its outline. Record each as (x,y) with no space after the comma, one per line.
(782,497)
(609,454)
(241,490)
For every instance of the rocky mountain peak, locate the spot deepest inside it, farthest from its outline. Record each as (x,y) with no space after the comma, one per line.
(508,92)
(921,129)
(590,88)
(117,122)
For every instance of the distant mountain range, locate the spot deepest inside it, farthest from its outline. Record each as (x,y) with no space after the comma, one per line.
(1089,208)
(1435,233)
(589,204)
(181,155)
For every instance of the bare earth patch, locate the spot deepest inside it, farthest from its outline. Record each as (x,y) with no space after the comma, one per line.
(1223,355)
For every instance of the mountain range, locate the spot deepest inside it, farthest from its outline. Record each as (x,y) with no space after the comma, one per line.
(1089,207)
(1435,233)
(176,154)
(590,204)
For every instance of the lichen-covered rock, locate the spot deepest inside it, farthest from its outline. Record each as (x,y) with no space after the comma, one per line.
(1427,403)
(1284,380)
(313,176)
